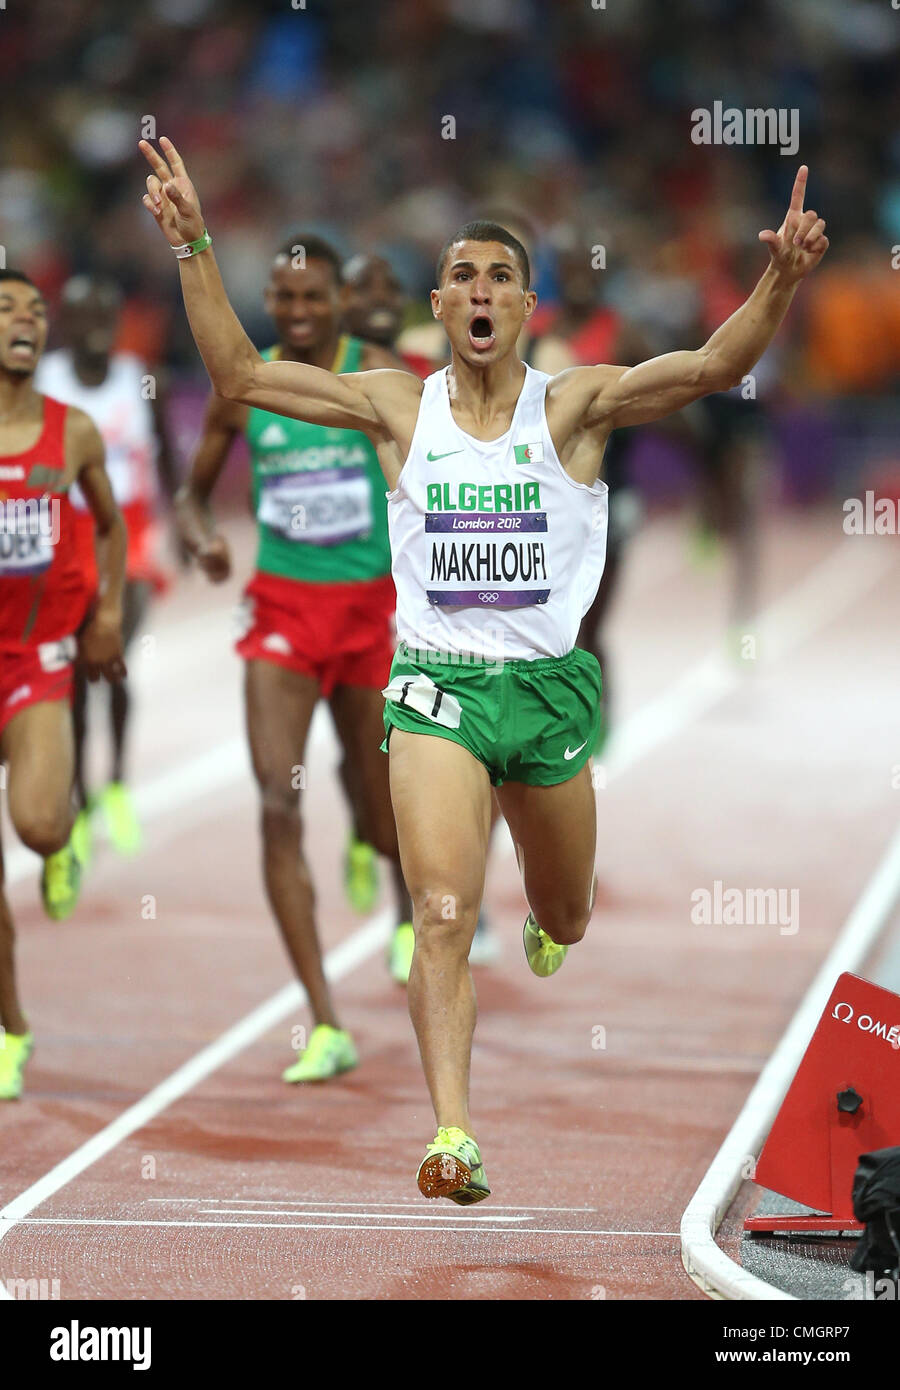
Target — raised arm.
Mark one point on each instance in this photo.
(236, 369)
(619, 396)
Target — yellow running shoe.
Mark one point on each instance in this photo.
(61, 883)
(15, 1049)
(400, 952)
(452, 1167)
(360, 874)
(82, 837)
(542, 953)
(329, 1052)
(117, 805)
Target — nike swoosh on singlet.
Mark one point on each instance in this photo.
(567, 755)
(433, 458)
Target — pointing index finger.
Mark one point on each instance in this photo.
(799, 189)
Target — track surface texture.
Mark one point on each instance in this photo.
(599, 1096)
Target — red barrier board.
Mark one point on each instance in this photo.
(844, 1101)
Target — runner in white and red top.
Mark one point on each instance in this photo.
(124, 400)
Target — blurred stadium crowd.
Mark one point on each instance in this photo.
(332, 116)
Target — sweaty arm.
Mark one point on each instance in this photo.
(236, 369)
(101, 639)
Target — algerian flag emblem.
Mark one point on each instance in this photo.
(529, 453)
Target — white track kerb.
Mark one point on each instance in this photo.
(709, 1267)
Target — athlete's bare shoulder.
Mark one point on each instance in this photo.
(388, 388)
(582, 383)
(581, 398)
(394, 398)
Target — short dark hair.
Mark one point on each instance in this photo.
(487, 231)
(314, 248)
(20, 276)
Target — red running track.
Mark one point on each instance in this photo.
(600, 1096)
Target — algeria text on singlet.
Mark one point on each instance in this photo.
(496, 550)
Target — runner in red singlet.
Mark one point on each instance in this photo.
(49, 618)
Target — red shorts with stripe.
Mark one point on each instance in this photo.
(29, 677)
(339, 634)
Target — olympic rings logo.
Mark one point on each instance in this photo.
(488, 598)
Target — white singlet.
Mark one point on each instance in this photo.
(121, 414)
(497, 552)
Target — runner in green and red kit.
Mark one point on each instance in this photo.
(318, 612)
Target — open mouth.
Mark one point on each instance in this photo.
(22, 346)
(481, 333)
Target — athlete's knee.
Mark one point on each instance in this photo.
(565, 921)
(445, 920)
(44, 829)
(279, 805)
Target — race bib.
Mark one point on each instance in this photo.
(420, 693)
(26, 544)
(56, 656)
(323, 508)
(487, 559)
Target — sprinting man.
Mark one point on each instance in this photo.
(497, 533)
(49, 618)
(318, 611)
(112, 388)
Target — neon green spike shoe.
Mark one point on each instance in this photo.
(452, 1167)
(360, 874)
(82, 837)
(61, 883)
(542, 953)
(15, 1049)
(329, 1052)
(117, 805)
(400, 952)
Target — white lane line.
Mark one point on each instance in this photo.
(464, 1224)
(709, 1267)
(342, 1215)
(831, 586)
(298, 1202)
(341, 961)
